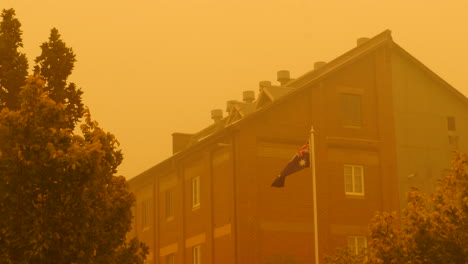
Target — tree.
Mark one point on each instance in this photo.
(59, 199)
(55, 64)
(432, 229)
(13, 64)
(345, 256)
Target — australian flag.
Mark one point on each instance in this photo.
(300, 161)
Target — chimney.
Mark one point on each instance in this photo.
(361, 41)
(180, 141)
(319, 64)
(264, 84)
(248, 96)
(283, 77)
(216, 115)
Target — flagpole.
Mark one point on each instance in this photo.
(314, 189)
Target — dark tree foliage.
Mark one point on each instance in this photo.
(55, 64)
(13, 64)
(60, 201)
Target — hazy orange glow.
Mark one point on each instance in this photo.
(150, 68)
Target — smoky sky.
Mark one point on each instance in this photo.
(151, 68)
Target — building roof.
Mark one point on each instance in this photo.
(239, 111)
(271, 95)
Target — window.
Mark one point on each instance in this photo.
(357, 244)
(354, 179)
(195, 192)
(196, 252)
(145, 213)
(451, 123)
(351, 109)
(170, 259)
(452, 131)
(169, 204)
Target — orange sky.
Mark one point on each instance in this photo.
(151, 68)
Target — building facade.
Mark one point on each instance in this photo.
(383, 123)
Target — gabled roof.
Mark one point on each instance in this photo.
(358, 52)
(352, 55)
(429, 72)
(271, 96)
(233, 116)
(245, 109)
(271, 93)
(239, 111)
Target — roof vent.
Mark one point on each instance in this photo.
(319, 64)
(248, 96)
(283, 77)
(216, 115)
(361, 41)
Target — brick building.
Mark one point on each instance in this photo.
(384, 122)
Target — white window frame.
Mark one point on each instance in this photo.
(196, 254)
(353, 244)
(353, 179)
(196, 192)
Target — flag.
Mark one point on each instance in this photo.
(300, 161)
